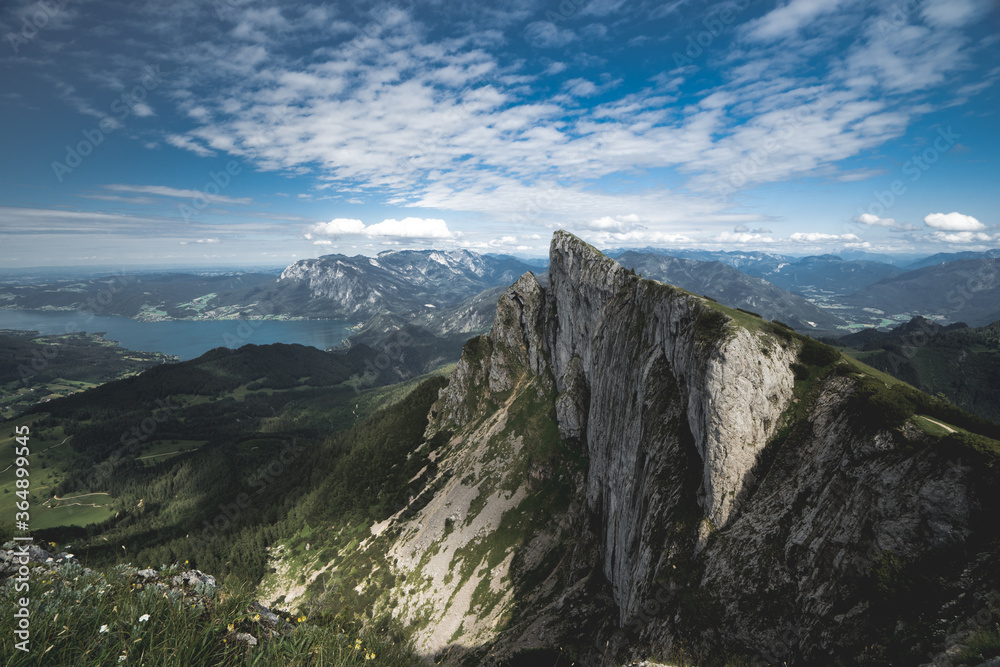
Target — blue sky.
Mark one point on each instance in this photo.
(247, 133)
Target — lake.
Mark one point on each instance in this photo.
(184, 339)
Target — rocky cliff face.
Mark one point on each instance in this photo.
(639, 366)
(629, 470)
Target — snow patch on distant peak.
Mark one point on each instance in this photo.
(440, 259)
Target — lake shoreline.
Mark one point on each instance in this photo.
(182, 338)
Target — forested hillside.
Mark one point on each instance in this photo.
(959, 362)
(210, 461)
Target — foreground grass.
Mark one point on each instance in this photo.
(80, 617)
(982, 645)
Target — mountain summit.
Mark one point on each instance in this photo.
(623, 468)
(397, 281)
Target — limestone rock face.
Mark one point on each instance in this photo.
(845, 500)
(637, 364)
(734, 394)
(642, 370)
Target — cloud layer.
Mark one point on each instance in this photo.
(408, 228)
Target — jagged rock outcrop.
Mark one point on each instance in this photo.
(734, 394)
(639, 365)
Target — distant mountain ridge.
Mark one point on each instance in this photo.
(945, 257)
(961, 291)
(733, 288)
(831, 274)
(362, 286)
(329, 287)
(828, 273)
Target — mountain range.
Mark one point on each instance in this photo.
(330, 287)
(360, 287)
(619, 471)
(733, 288)
(966, 290)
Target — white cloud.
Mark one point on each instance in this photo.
(953, 13)
(817, 237)
(896, 52)
(188, 144)
(618, 223)
(873, 220)
(547, 35)
(337, 227)
(407, 228)
(199, 241)
(743, 237)
(177, 193)
(20, 220)
(953, 222)
(790, 18)
(964, 237)
(635, 236)
(411, 228)
(504, 241)
(143, 110)
(580, 88)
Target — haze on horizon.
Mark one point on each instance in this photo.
(256, 133)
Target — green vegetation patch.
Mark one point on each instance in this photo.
(113, 617)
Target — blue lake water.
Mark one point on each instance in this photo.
(186, 340)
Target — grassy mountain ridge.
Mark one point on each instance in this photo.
(959, 362)
(457, 569)
(225, 423)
